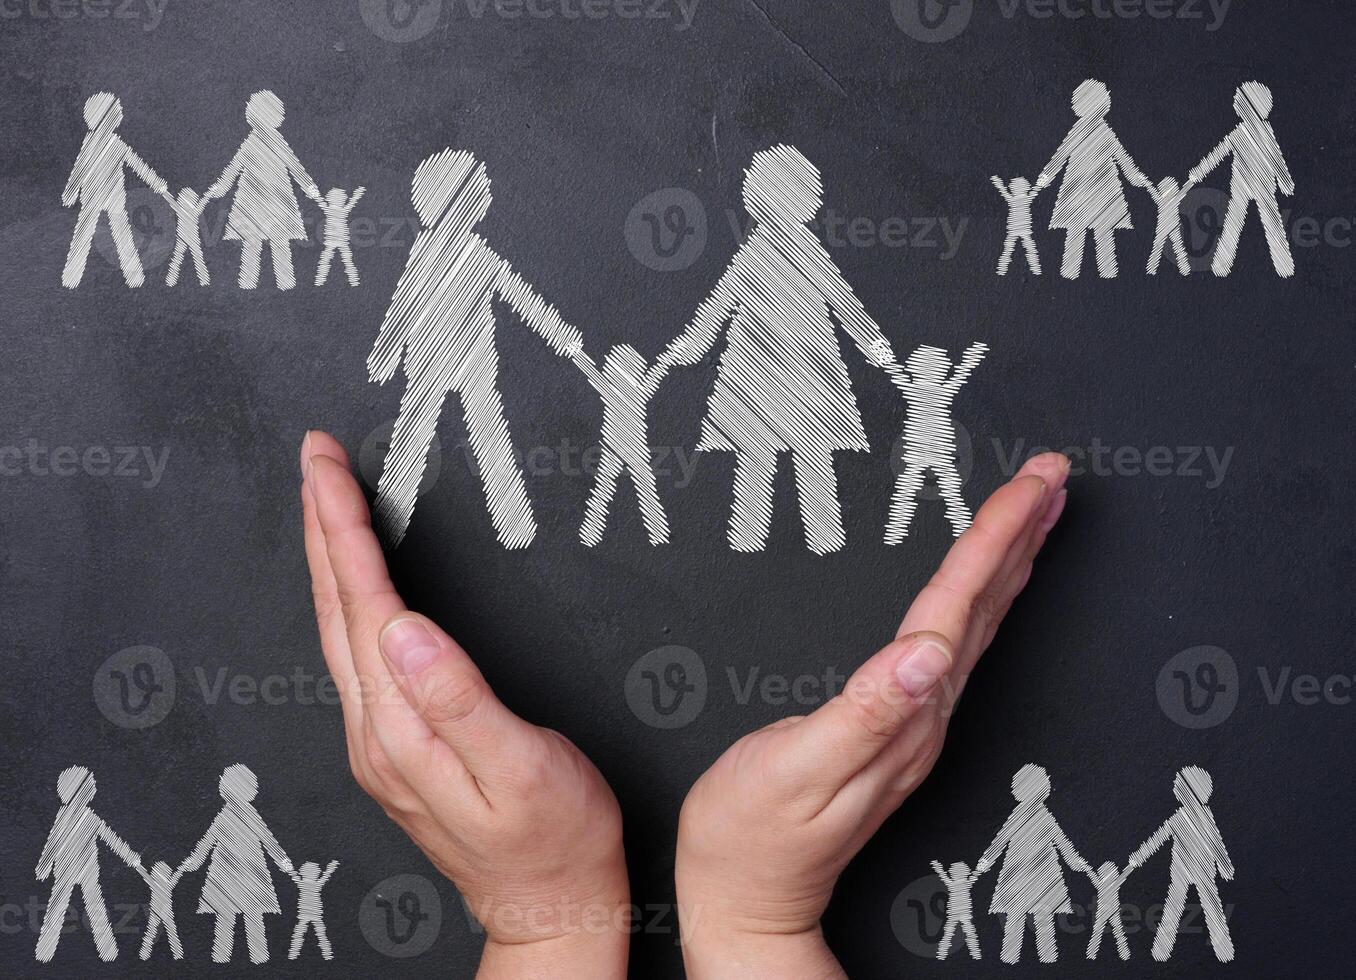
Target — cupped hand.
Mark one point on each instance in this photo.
(766, 831)
(513, 814)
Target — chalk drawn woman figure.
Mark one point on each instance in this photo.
(238, 883)
(781, 384)
(1091, 197)
(1031, 880)
(71, 859)
(440, 325)
(265, 210)
(1198, 857)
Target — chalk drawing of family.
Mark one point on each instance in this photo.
(1092, 200)
(238, 885)
(781, 390)
(1032, 848)
(264, 211)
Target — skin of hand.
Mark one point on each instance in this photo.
(513, 814)
(766, 831)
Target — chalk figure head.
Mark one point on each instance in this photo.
(1031, 784)
(781, 187)
(1193, 784)
(75, 783)
(264, 110)
(103, 108)
(959, 871)
(451, 186)
(1254, 98)
(238, 784)
(929, 364)
(1091, 100)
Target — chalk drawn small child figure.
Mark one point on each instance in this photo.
(1108, 881)
(337, 207)
(959, 908)
(1019, 195)
(929, 436)
(161, 879)
(309, 881)
(1168, 196)
(187, 212)
(626, 384)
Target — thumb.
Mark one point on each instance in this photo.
(445, 687)
(844, 735)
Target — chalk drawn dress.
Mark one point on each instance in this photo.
(1091, 196)
(1031, 881)
(238, 879)
(264, 207)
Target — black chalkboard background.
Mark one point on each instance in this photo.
(579, 120)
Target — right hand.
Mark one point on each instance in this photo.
(513, 814)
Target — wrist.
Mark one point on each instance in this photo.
(730, 954)
(597, 953)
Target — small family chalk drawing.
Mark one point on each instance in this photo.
(1091, 198)
(263, 212)
(781, 386)
(1031, 880)
(238, 883)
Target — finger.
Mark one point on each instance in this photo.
(324, 591)
(445, 687)
(367, 599)
(826, 749)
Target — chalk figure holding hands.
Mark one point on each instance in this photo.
(1108, 880)
(959, 908)
(1019, 195)
(161, 881)
(309, 881)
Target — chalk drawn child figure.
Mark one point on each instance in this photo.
(337, 207)
(626, 384)
(1108, 881)
(1168, 196)
(1019, 195)
(187, 212)
(929, 436)
(309, 881)
(161, 880)
(959, 908)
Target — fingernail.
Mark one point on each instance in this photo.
(1039, 506)
(922, 667)
(306, 456)
(1056, 508)
(409, 645)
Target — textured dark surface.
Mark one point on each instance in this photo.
(578, 120)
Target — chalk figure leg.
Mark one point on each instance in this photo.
(600, 497)
(346, 254)
(200, 264)
(223, 938)
(1216, 923)
(971, 939)
(78, 255)
(505, 488)
(948, 933)
(176, 260)
(1032, 259)
(406, 458)
(1072, 264)
(251, 251)
(152, 930)
(903, 503)
(1166, 937)
(1008, 244)
(1014, 931)
(751, 512)
(323, 939)
(820, 512)
(254, 936)
(283, 276)
(322, 271)
(949, 484)
(1277, 242)
(651, 507)
(1105, 241)
(1046, 950)
(1118, 930)
(53, 920)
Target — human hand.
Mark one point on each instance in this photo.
(513, 814)
(766, 831)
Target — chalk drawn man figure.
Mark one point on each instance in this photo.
(71, 859)
(161, 881)
(930, 436)
(781, 384)
(97, 185)
(1198, 857)
(1168, 196)
(264, 209)
(1108, 880)
(336, 238)
(1091, 198)
(1031, 880)
(441, 322)
(1259, 171)
(1019, 196)
(310, 913)
(238, 884)
(188, 240)
(626, 384)
(959, 908)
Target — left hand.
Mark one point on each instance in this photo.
(765, 833)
